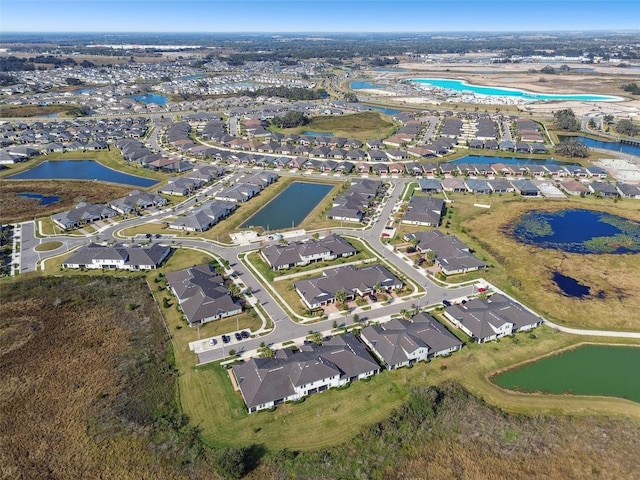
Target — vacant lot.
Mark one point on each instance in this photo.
(362, 126)
(87, 384)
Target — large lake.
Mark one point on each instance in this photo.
(586, 370)
(579, 231)
(462, 86)
(81, 170)
(290, 207)
(617, 146)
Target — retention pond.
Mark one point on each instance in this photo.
(586, 370)
(290, 207)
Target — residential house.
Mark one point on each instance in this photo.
(118, 257)
(493, 318)
(425, 211)
(320, 291)
(304, 253)
(81, 214)
(399, 343)
(451, 255)
(202, 294)
(268, 382)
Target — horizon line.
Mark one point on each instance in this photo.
(317, 32)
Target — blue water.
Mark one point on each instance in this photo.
(579, 231)
(44, 199)
(570, 287)
(193, 77)
(84, 90)
(462, 86)
(151, 98)
(309, 133)
(386, 111)
(361, 85)
(290, 207)
(80, 170)
(488, 160)
(617, 146)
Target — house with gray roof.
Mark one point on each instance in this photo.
(604, 189)
(493, 318)
(83, 213)
(267, 382)
(320, 291)
(202, 294)
(452, 255)
(135, 201)
(118, 257)
(399, 343)
(628, 191)
(203, 218)
(424, 211)
(294, 254)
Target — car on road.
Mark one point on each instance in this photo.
(226, 338)
(238, 336)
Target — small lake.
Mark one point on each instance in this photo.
(462, 86)
(290, 207)
(87, 90)
(586, 370)
(362, 85)
(616, 146)
(151, 98)
(81, 170)
(42, 199)
(569, 286)
(579, 231)
(488, 160)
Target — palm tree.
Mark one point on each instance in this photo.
(340, 296)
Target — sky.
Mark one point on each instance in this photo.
(316, 16)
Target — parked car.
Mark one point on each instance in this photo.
(446, 303)
(226, 338)
(245, 334)
(373, 298)
(238, 336)
(212, 342)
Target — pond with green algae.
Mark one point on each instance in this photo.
(605, 370)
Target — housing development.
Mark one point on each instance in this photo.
(323, 235)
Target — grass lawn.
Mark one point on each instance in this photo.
(48, 246)
(361, 126)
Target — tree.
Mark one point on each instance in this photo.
(548, 69)
(73, 81)
(566, 120)
(405, 314)
(626, 127)
(291, 119)
(572, 148)
(230, 463)
(356, 318)
(341, 296)
(316, 337)
(264, 351)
